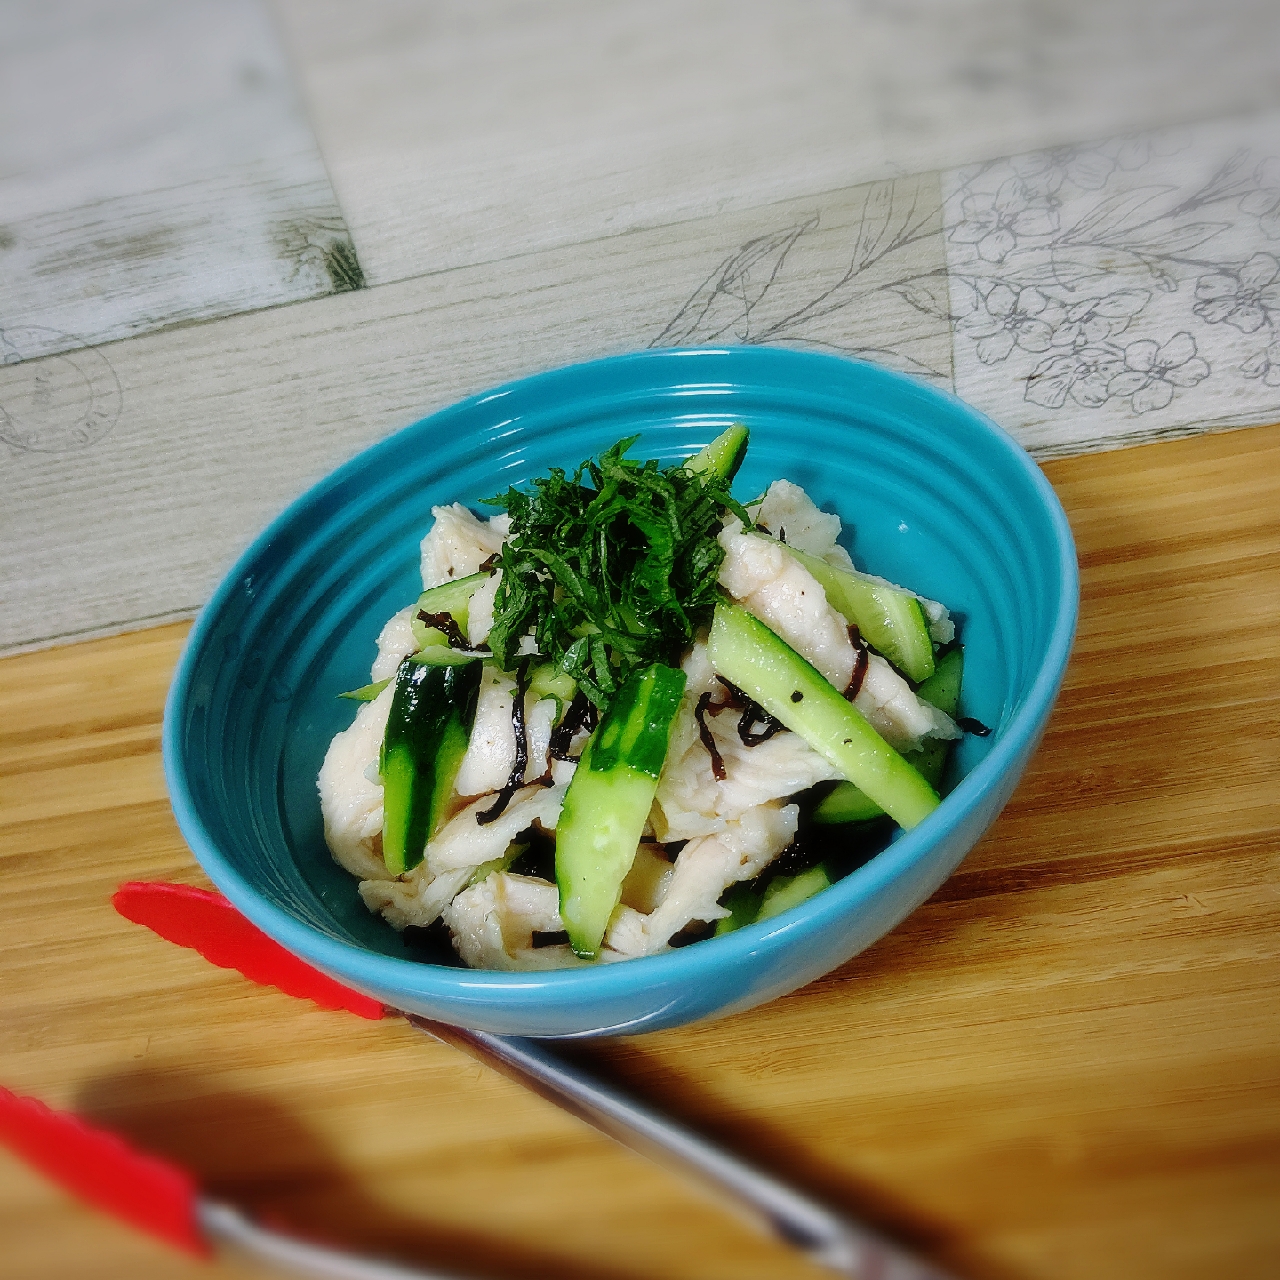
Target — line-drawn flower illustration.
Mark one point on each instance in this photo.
(1097, 319)
(1085, 375)
(1264, 201)
(1086, 167)
(1243, 298)
(1024, 318)
(995, 225)
(1152, 371)
(1264, 365)
(1133, 240)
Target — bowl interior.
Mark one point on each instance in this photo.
(931, 496)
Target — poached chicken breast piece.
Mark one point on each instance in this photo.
(704, 869)
(786, 597)
(459, 543)
(351, 800)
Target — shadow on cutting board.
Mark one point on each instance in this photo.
(250, 1153)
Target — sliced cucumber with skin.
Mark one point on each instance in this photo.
(747, 905)
(785, 892)
(891, 620)
(845, 803)
(486, 869)
(743, 901)
(440, 655)
(426, 637)
(453, 598)
(548, 681)
(768, 670)
(723, 456)
(428, 727)
(608, 803)
(942, 689)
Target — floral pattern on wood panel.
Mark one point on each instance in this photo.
(1110, 293)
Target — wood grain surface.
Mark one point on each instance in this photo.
(1065, 1066)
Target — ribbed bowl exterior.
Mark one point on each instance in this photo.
(932, 494)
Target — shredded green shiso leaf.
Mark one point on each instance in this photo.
(613, 568)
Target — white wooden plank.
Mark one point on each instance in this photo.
(155, 168)
(221, 424)
(464, 131)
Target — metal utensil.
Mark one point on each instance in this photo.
(162, 1198)
(209, 924)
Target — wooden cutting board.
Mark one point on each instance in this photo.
(1065, 1066)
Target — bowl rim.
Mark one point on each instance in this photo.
(528, 989)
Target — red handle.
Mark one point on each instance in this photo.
(102, 1169)
(206, 922)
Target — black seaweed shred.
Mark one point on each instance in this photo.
(695, 931)
(708, 738)
(861, 661)
(539, 857)
(582, 713)
(448, 624)
(975, 727)
(551, 938)
(752, 714)
(431, 944)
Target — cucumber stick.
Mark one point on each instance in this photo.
(453, 598)
(891, 620)
(767, 669)
(785, 892)
(724, 455)
(608, 802)
(748, 905)
(428, 727)
(942, 689)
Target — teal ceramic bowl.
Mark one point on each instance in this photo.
(932, 494)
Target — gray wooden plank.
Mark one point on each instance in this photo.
(156, 168)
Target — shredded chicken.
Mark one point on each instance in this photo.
(493, 923)
(733, 826)
(350, 800)
(465, 842)
(692, 802)
(788, 513)
(704, 869)
(417, 898)
(786, 597)
(395, 643)
(894, 711)
(480, 610)
(491, 752)
(459, 543)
